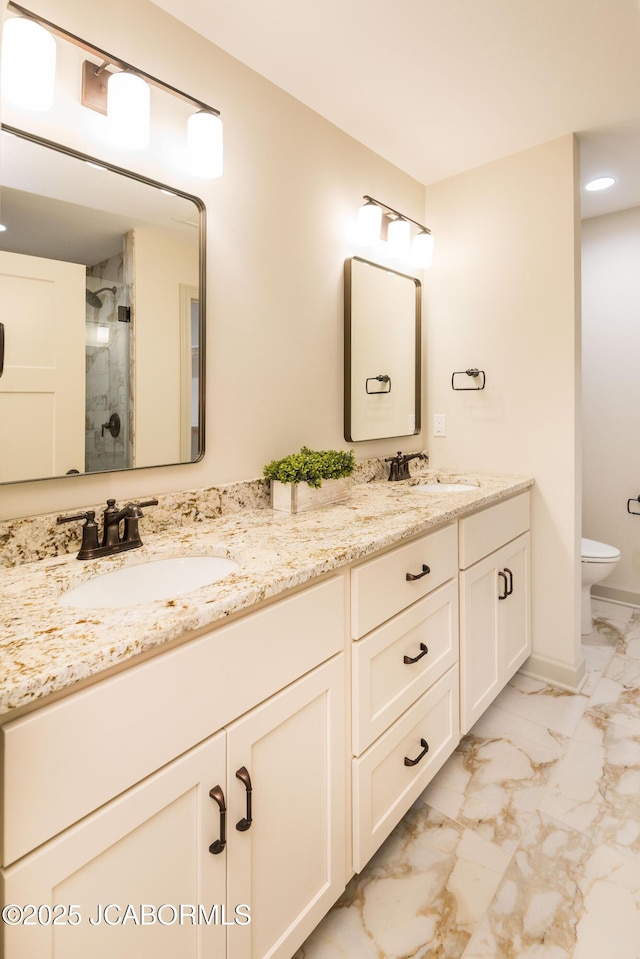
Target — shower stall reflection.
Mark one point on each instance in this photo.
(108, 362)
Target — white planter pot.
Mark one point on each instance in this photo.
(299, 497)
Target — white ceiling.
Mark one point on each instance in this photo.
(441, 86)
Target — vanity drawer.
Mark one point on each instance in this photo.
(384, 685)
(66, 759)
(384, 787)
(380, 589)
(484, 532)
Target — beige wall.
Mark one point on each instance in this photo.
(611, 347)
(277, 240)
(503, 296)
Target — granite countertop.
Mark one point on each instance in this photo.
(46, 648)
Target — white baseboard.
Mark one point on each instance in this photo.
(624, 597)
(555, 673)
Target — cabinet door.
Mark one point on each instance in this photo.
(289, 865)
(515, 610)
(145, 850)
(495, 626)
(480, 655)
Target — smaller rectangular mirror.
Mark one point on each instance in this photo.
(382, 368)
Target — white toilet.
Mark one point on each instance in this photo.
(598, 561)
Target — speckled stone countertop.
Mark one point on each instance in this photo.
(46, 648)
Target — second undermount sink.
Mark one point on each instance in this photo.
(146, 582)
(443, 487)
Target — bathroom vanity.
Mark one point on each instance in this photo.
(202, 776)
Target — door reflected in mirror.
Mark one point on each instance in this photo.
(102, 305)
(382, 368)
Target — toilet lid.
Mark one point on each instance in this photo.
(593, 550)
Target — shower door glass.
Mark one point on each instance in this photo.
(109, 401)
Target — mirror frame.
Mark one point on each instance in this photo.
(202, 251)
(348, 344)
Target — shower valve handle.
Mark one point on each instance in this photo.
(113, 425)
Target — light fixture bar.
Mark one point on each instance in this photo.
(109, 59)
(402, 216)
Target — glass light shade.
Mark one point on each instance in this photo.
(369, 223)
(128, 113)
(399, 239)
(28, 64)
(422, 250)
(204, 144)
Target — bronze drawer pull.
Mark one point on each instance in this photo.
(243, 775)
(219, 844)
(414, 659)
(412, 576)
(510, 586)
(506, 590)
(508, 583)
(425, 750)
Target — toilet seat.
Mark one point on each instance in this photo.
(595, 552)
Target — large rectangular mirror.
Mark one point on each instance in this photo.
(382, 367)
(102, 316)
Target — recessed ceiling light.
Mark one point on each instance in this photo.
(600, 183)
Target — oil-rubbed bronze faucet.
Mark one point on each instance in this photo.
(112, 540)
(399, 469)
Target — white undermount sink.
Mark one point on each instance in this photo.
(443, 487)
(145, 582)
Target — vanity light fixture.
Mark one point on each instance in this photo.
(399, 238)
(204, 144)
(128, 102)
(369, 223)
(103, 90)
(422, 250)
(371, 226)
(28, 64)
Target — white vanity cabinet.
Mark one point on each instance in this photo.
(157, 847)
(495, 602)
(405, 724)
(125, 803)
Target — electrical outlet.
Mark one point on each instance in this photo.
(439, 424)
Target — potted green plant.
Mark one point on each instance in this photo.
(310, 478)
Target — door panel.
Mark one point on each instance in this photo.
(515, 612)
(289, 866)
(149, 848)
(43, 382)
(479, 641)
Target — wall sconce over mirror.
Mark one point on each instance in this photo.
(379, 223)
(28, 64)
(110, 86)
(382, 367)
(102, 300)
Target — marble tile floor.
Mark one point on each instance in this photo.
(526, 845)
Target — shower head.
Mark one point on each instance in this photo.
(94, 300)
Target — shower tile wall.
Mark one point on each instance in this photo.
(107, 368)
